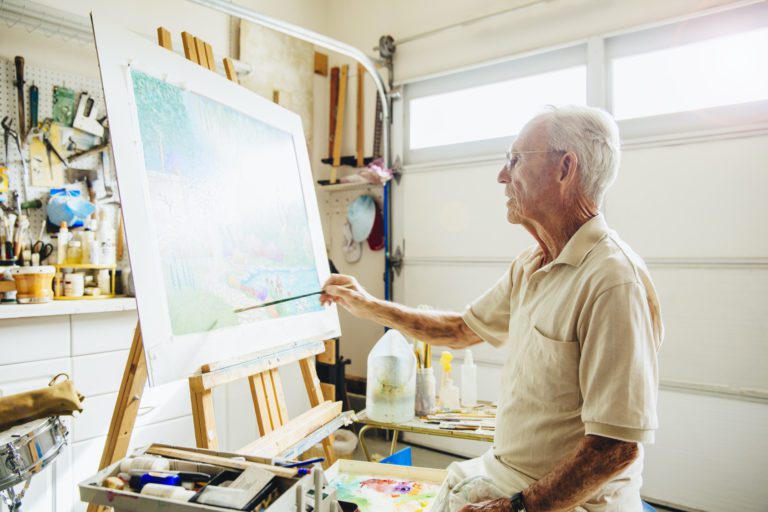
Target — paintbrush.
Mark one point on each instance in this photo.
(274, 302)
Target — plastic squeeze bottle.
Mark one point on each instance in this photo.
(61, 246)
(449, 392)
(468, 381)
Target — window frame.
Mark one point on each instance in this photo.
(545, 61)
(597, 53)
(710, 25)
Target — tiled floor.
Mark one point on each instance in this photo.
(425, 457)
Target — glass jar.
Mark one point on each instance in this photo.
(74, 253)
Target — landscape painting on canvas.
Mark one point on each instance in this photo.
(236, 259)
(219, 207)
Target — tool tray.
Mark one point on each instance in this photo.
(128, 500)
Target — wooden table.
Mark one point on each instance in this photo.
(416, 427)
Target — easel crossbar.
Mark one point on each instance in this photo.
(258, 362)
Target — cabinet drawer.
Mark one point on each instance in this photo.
(15, 378)
(178, 432)
(33, 339)
(102, 332)
(157, 405)
(99, 374)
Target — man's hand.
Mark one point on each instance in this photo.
(347, 292)
(434, 327)
(497, 505)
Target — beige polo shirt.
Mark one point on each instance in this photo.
(583, 333)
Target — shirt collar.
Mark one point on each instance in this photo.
(585, 238)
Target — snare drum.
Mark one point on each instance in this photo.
(26, 449)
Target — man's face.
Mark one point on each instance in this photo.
(530, 176)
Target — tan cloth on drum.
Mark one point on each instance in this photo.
(57, 399)
(583, 334)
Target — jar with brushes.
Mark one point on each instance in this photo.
(425, 391)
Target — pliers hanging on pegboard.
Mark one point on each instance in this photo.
(7, 122)
(49, 148)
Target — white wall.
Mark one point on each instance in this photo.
(544, 24)
(143, 17)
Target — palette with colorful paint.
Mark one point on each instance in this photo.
(384, 487)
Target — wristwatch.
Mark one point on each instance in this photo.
(517, 503)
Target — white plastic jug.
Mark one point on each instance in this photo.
(391, 389)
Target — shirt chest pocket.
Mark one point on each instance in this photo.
(549, 373)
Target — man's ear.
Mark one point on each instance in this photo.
(569, 164)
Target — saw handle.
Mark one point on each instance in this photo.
(19, 60)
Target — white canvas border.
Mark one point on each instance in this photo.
(172, 357)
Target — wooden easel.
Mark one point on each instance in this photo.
(261, 372)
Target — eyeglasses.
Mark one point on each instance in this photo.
(513, 157)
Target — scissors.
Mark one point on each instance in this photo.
(43, 249)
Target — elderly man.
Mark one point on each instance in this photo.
(581, 321)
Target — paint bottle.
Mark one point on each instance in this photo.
(107, 240)
(104, 281)
(86, 242)
(61, 246)
(147, 462)
(170, 492)
(449, 392)
(468, 381)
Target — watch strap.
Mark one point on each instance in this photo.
(517, 503)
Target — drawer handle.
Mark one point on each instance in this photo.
(145, 410)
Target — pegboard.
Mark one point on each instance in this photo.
(335, 203)
(45, 80)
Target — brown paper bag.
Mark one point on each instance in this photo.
(57, 399)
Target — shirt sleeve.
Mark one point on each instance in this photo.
(488, 316)
(618, 368)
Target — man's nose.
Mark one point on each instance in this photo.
(503, 176)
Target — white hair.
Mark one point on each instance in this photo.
(592, 134)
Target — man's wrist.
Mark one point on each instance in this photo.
(517, 503)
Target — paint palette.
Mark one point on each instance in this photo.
(384, 487)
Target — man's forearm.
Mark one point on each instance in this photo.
(585, 471)
(433, 327)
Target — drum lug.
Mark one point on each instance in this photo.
(14, 462)
(62, 429)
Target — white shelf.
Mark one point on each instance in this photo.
(339, 187)
(67, 307)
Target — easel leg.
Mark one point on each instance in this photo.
(126, 407)
(203, 417)
(315, 392)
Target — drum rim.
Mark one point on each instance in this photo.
(49, 423)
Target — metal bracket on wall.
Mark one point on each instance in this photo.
(397, 169)
(396, 260)
(386, 49)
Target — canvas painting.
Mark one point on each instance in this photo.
(235, 260)
(219, 208)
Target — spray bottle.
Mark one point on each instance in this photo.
(468, 381)
(449, 392)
